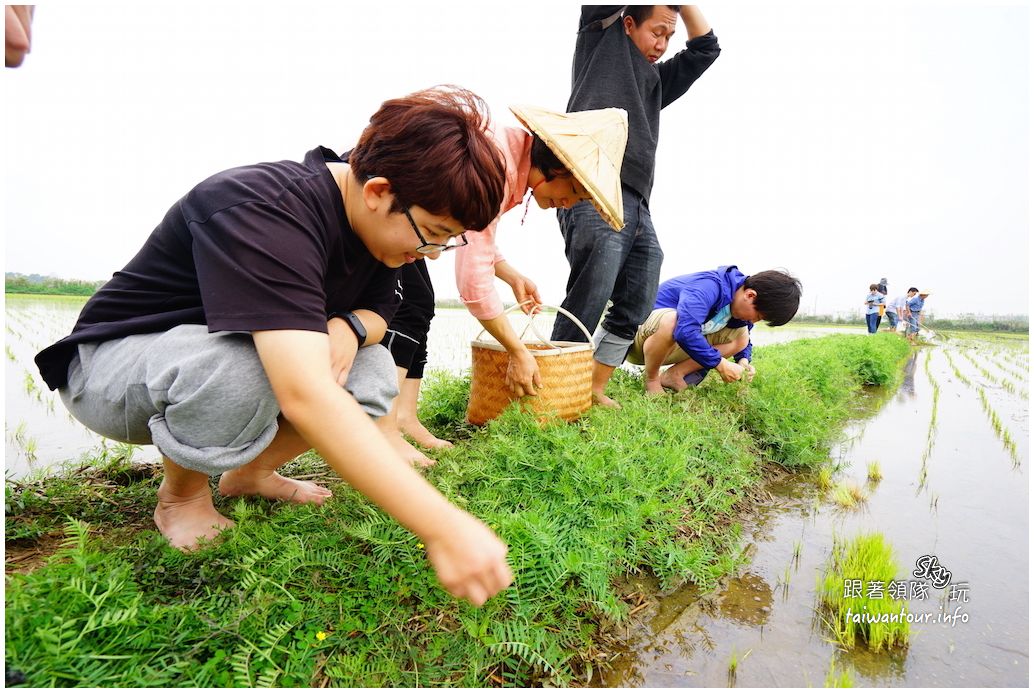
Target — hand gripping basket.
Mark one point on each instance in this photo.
(564, 367)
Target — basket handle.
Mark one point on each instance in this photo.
(534, 329)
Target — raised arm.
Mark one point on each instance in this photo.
(694, 21)
(680, 72)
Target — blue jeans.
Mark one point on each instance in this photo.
(892, 316)
(622, 267)
(872, 321)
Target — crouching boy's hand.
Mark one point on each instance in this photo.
(748, 370)
(469, 558)
(729, 371)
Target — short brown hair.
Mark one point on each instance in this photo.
(434, 148)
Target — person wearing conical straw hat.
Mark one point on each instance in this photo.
(559, 159)
(617, 63)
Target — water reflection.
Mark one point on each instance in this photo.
(908, 385)
(747, 600)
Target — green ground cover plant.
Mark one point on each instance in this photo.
(341, 595)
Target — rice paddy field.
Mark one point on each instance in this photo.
(733, 535)
(949, 448)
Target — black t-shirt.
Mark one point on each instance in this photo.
(262, 247)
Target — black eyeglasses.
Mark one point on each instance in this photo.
(428, 248)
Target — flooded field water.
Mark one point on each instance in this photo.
(953, 488)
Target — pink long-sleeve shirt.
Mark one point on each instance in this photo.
(475, 262)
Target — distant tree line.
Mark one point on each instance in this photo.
(15, 283)
(966, 321)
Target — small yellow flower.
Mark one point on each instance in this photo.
(321, 636)
(420, 546)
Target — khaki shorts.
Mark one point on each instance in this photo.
(722, 336)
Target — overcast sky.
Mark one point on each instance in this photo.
(844, 143)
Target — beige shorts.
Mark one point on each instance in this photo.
(722, 336)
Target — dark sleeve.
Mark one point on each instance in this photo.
(694, 304)
(596, 13)
(259, 268)
(679, 73)
(746, 353)
(383, 294)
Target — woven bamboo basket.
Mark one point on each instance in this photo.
(564, 367)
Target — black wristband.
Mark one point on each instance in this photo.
(354, 322)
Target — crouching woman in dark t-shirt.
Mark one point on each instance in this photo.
(246, 329)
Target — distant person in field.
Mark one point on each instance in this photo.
(896, 309)
(882, 288)
(17, 33)
(873, 300)
(617, 62)
(892, 312)
(914, 313)
(246, 330)
(559, 159)
(700, 320)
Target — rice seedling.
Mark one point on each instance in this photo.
(10, 353)
(825, 477)
(30, 384)
(934, 499)
(875, 474)
(783, 580)
(29, 447)
(958, 374)
(734, 664)
(848, 494)
(931, 431)
(798, 546)
(852, 594)
(999, 429)
(19, 433)
(922, 478)
(843, 678)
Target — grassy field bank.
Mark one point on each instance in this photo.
(341, 595)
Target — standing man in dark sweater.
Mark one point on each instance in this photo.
(616, 64)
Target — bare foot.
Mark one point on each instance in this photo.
(601, 400)
(653, 387)
(672, 382)
(186, 521)
(424, 438)
(244, 482)
(409, 453)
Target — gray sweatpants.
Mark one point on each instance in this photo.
(202, 398)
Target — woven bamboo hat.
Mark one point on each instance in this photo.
(591, 144)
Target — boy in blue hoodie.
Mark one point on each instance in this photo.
(701, 319)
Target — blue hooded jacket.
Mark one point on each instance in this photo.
(697, 298)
